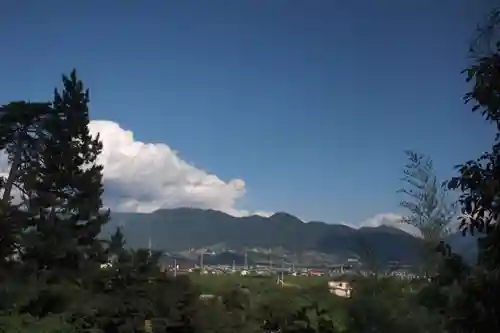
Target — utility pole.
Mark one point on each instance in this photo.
(201, 261)
(175, 267)
(282, 272)
(246, 260)
(150, 255)
(150, 242)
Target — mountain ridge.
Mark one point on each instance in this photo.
(186, 228)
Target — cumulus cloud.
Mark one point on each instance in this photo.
(143, 177)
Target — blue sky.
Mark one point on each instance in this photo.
(311, 103)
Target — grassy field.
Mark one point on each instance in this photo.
(213, 284)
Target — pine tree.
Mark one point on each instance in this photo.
(65, 186)
(116, 243)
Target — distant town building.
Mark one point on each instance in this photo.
(315, 272)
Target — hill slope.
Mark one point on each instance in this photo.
(184, 228)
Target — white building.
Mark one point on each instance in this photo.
(340, 288)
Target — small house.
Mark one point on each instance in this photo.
(340, 288)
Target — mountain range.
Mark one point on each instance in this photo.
(188, 228)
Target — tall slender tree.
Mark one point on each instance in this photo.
(430, 209)
(65, 185)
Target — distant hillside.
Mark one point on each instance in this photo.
(185, 228)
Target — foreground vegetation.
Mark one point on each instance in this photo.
(51, 258)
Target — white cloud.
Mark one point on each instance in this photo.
(143, 177)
